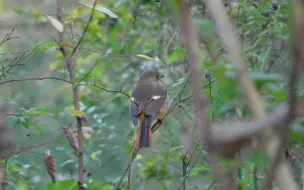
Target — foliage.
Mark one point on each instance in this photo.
(110, 58)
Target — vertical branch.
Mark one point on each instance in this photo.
(7, 143)
(270, 139)
(184, 165)
(1, 177)
(71, 69)
(297, 52)
(191, 43)
(128, 169)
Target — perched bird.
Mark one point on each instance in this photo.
(147, 99)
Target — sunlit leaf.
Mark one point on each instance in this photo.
(65, 184)
(107, 187)
(46, 46)
(94, 155)
(36, 13)
(53, 65)
(175, 56)
(18, 11)
(63, 87)
(78, 113)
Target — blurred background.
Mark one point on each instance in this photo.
(112, 55)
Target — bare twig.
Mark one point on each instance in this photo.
(23, 149)
(83, 33)
(227, 35)
(114, 91)
(128, 168)
(87, 74)
(7, 37)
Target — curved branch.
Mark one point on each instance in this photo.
(38, 78)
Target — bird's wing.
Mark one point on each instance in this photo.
(148, 101)
(135, 110)
(155, 102)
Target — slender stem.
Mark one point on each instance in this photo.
(70, 66)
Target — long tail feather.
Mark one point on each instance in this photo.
(143, 138)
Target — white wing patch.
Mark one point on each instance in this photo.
(132, 99)
(156, 97)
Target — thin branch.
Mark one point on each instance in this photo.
(114, 91)
(156, 125)
(173, 36)
(128, 168)
(8, 37)
(71, 69)
(38, 78)
(66, 81)
(87, 74)
(83, 33)
(23, 149)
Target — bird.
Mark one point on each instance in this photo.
(147, 98)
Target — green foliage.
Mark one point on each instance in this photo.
(113, 53)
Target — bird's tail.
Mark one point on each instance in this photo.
(143, 138)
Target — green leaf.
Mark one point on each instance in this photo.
(46, 46)
(107, 187)
(38, 128)
(176, 55)
(259, 77)
(296, 136)
(18, 11)
(36, 13)
(66, 184)
(205, 27)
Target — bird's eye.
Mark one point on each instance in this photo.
(160, 76)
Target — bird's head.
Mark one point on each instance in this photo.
(151, 75)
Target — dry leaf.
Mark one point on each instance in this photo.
(102, 9)
(71, 134)
(50, 164)
(57, 25)
(87, 132)
(72, 138)
(67, 45)
(147, 57)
